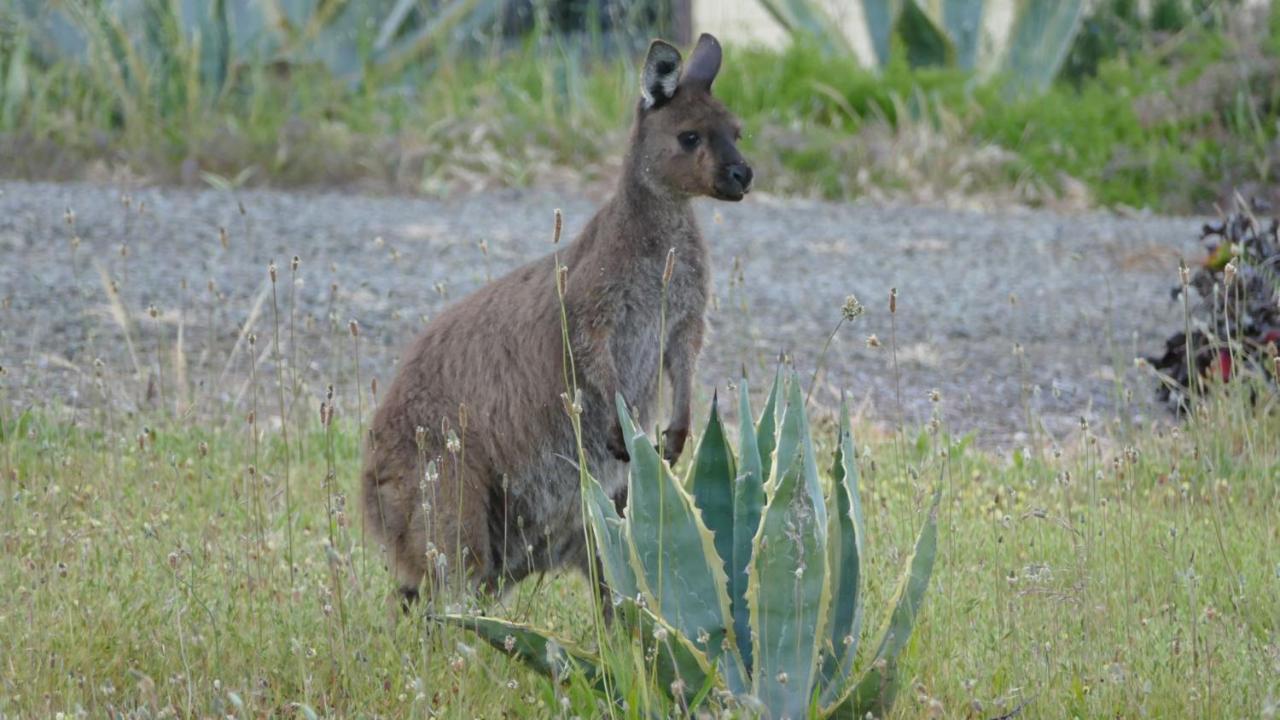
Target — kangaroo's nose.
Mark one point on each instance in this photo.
(741, 174)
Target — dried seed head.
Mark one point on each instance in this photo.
(294, 263)
(1229, 273)
(1184, 273)
(224, 238)
(484, 247)
(559, 225)
(153, 312)
(252, 417)
(253, 339)
(509, 643)
(873, 341)
(420, 436)
(241, 206)
(373, 388)
(75, 242)
(562, 279)
(69, 217)
(852, 309)
(893, 300)
(462, 416)
(782, 678)
(453, 444)
(124, 250)
(203, 449)
(271, 271)
(935, 396)
(324, 412)
(670, 268)
(354, 327)
(572, 406)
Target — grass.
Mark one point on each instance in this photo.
(1165, 125)
(148, 573)
(147, 569)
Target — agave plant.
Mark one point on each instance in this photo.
(746, 577)
(348, 37)
(971, 34)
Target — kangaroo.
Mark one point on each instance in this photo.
(478, 399)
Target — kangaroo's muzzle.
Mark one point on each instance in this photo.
(734, 181)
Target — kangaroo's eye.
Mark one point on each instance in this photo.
(689, 140)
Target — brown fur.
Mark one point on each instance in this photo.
(506, 494)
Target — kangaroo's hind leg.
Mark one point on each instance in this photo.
(433, 530)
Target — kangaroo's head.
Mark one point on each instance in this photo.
(685, 141)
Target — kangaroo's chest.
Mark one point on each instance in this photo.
(651, 319)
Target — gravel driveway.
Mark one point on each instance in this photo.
(1082, 295)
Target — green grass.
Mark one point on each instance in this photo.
(1170, 125)
(145, 569)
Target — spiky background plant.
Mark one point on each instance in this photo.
(745, 578)
(970, 34)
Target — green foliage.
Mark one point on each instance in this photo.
(949, 33)
(761, 581)
(1139, 123)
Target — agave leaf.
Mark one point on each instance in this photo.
(553, 658)
(673, 553)
(1041, 36)
(793, 433)
(790, 424)
(748, 503)
(844, 548)
(788, 593)
(879, 16)
(873, 696)
(961, 21)
(808, 17)
(880, 681)
(434, 34)
(678, 667)
(926, 42)
(610, 531)
(711, 481)
(767, 427)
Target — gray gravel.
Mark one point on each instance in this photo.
(1089, 293)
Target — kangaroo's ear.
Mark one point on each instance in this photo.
(661, 74)
(704, 64)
